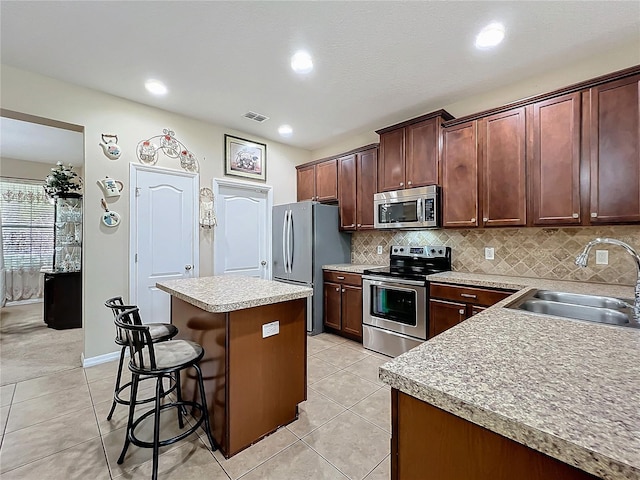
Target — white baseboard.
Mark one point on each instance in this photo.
(107, 357)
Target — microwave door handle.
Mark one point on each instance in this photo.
(420, 210)
(291, 239)
(285, 241)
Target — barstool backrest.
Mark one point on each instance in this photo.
(137, 336)
(117, 306)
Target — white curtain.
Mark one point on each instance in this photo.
(23, 284)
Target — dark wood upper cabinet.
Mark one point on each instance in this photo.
(422, 153)
(615, 152)
(391, 161)
(410, 152)
(503, 168)
(460, 176)
(554, 160)
(366, 186)
(318, 181)
(327, 181)
(306, 183)
(347, 192)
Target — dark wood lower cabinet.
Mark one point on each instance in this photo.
(63, 300)
(444, 315)
(428, 443)
(343, 304)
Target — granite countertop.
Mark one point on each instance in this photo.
(567, 388)
(350, 267)
(226, 293)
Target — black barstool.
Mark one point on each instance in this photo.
(160, 332)
(158, 360)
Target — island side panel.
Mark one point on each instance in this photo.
(429, 443)
(267, 376)
(208, 330)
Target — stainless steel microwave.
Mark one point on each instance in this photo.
(410, 208)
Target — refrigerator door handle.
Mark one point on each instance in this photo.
(291, 241)
(285, 256)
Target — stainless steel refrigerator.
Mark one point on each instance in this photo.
(306, 236)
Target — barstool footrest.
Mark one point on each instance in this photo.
(121, 401)
(163, 443)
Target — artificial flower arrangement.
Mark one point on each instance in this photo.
(62, 179)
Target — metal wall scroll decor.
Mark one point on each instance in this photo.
(207, 215)
(167, 143)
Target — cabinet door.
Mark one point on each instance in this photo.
(352, 310)
(332, 308)
(503, 165)
(554, 161)
(367, 186)
(347, 193)
(306, 177)
(460, 176)
(327, 181)
(421, 156)
(444, 315)
(615, 152)
(391, 161)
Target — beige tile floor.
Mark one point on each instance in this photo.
(54, 427)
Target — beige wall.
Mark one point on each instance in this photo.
(618, 59)
(10, 167)
(106, 250)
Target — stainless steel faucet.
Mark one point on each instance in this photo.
(581, 261)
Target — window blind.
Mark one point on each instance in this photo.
(27, 224)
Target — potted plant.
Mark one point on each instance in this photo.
(61, 180)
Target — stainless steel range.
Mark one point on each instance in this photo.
(395, 312)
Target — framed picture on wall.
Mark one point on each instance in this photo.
(245, 158)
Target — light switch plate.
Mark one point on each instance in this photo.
(489, 253)
(379, 249)
(602, 257)
(270, 329)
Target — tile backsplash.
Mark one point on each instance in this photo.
(524, 252)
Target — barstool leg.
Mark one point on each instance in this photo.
(181, 410)
(115, 391)
(132, 407)
(156, 428)
(205, 409)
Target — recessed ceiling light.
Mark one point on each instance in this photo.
(490, 36)
(156, 87)
(301, 62)
(285, 130)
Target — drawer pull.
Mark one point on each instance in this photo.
(338, 289)
(468, 295)
(340, 278)
(461, 311)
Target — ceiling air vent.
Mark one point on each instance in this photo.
(256, 117)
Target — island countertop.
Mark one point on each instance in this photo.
(226, 293)
(567, 388)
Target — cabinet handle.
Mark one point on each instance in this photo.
(409, 182)
(338, 289)
(575, 215)
(359, 225)
(343, 290)
(461, 311)
(468, 295)
(340, 278)
(594, 215)
(473, 219)
(485, 219)
(402, 184)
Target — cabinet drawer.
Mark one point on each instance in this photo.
(477, 296)
(343, 277)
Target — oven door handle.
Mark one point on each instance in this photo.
(395, 281)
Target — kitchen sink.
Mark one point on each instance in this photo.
(591, 308)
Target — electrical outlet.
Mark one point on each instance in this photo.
(602, 257)
(379, 249)
(489, 253)
(270, 329)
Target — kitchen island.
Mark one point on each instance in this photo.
(254, 335)
(508, 394)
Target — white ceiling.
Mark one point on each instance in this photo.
(40, 143)
(377, 62)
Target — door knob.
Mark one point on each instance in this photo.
(187, 267)
(263, 263)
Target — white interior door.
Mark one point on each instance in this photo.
(242, 238)
(164, 235)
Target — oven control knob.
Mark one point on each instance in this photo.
(402, 249)
(440, 252)
(433, 250)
